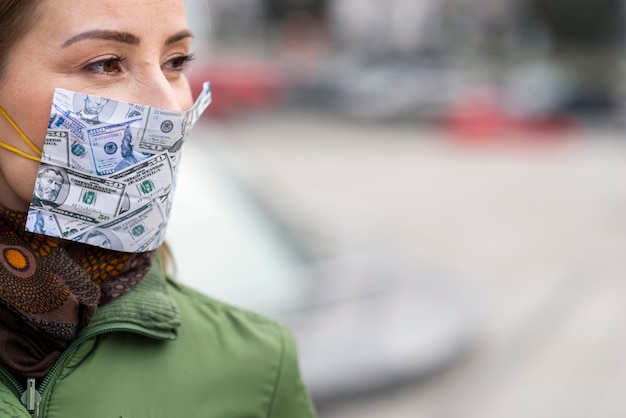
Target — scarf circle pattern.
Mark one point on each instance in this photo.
(50, 291)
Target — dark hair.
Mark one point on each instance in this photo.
(17, 17)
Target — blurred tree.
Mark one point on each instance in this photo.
(583, 22)
(279, 10)
(586, 36)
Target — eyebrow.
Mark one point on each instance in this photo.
(105, 35)
(179, 36)
(122, 37)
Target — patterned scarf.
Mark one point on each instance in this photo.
(50, 291)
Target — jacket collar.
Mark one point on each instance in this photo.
(148, 308)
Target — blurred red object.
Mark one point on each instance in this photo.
(239, 85)
(476, 116)
(479, 119)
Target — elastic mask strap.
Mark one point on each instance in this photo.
(24, 138)
(19, 152)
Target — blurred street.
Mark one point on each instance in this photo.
(480, 140)
(532, 231)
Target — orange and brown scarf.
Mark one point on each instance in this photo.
(50, 291)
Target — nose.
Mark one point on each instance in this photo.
(156, 90)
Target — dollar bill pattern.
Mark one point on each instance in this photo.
(146, 180)
(130, 205)
(164, 130)
(108, 143)
(137, 231)
(56, 149)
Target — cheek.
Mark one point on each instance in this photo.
(35, 115)
(28, 178)
(30, 110)
(17, 181)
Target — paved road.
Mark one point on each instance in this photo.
(536, 234)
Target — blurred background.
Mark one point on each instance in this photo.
(428, 193)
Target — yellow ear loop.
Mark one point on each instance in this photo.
(24, 138)
(19, 152)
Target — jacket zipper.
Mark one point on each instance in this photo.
(33, 398)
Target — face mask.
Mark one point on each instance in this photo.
(108, 170)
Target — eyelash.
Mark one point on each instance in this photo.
(98, 66)
(176, 64)
(181, 61)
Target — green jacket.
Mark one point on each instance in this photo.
(163, 350)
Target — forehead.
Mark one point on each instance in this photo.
(147, 17)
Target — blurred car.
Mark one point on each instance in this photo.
(240, 84)
(364, 319)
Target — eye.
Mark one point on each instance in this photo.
(178, 63)
(108, 66)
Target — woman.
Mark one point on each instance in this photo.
(86, 331)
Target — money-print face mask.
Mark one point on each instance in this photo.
(108, 170)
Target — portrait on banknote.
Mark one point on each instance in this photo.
(51, 186)
(112, 146)
(93, 109)
(101, 238)
(41, 221)
(129, 156)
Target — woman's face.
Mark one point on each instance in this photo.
(126, 50)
